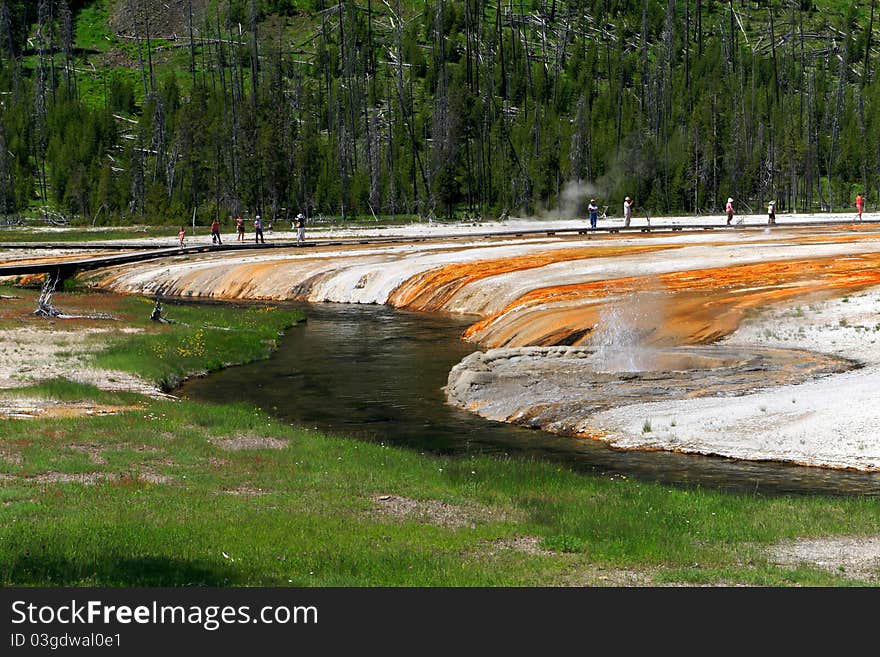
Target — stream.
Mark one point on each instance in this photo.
(376, 374)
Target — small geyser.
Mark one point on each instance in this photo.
(621, 341)
(559, 388)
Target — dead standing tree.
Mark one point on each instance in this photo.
(40, 106)
(835, 121)
(44, 303)
(137, 37)
(405, 101)
(7, 189)
(67, 40)
(6, 45)
(45, 307)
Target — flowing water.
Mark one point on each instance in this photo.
(376, 374)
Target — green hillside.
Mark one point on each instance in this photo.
(125, 111)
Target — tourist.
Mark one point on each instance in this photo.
(771, 213)
(215, 232)
(593, 209)
(300, 228)
(627, 211)
(860, 202)
(729, 210)
(258, 230)
(239, 226)
(181, 236)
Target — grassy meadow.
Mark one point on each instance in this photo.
(168, 492)
(33, 233)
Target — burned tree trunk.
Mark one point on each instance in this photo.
(44, 303)
(137, 39)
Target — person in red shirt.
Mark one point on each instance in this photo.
(860, 202)
(215, 232)
(729, 210)
(181, 236)
(239, 225)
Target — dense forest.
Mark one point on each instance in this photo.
(132, 111)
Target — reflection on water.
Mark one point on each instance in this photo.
(376, 374)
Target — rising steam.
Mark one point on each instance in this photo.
(572, 203)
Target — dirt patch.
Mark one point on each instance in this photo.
(527, 544)
(855, 557)
(92, 450)
(31, 409)
(630, 577)
(618, 577)
(95, 451)
(581, 575)
(244, 491)
(435, 512)
(140, 449)
(27, 500)
(152, 477)
(167, 18)
(29, 355)
(239, 443)
(9, 456)
(114, 58)
(87, 478)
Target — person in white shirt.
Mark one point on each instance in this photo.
(593, 210)
(300, 228)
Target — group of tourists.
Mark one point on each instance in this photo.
(771, 210)
(593, 211)
(299, 223)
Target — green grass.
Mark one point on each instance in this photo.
(93, 88)
(314, 522)
(65, 390)
(83, 234)
(92, 27)
(192, 345)
(167, 505)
